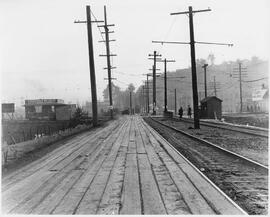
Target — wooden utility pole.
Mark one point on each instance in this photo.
(205, 81)
(148, 98)
(193, 69)
(130, 102)
(91, 64)
(190, 12)
(165, 85)
(154, 90)
(147, 94)
(143, 102)
(193, 64)
(240, 75)
(240, 86)
(165, 81)
(175, 103)
(108, 55)
(155, 55)
(215, 88)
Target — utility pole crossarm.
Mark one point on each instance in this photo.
(152, 55)
(152, 69)
(201, 42)
(112, 67)
(168, 61)
(154, 59)
(108, 32)
(174, 77)
(105, 55)
(108, 40)
(95, 21)
(187, 12)
(170, 42)
(106, 25)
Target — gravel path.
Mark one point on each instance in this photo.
(244, 183)
(253, 147)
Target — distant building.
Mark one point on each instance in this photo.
(8, 110)
(65, 112)
(260, 100)
(211, 108)
(102, 107)
(48, 109)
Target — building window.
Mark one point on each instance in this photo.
(38, 109)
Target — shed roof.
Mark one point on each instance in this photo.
(210, 98)
(45, 104)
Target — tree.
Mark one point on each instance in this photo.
(131, 87)
(115, 91)
(79, 117)
(255, 60)
(200, 62)
(211, 58)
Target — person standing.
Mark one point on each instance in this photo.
(189, 112)
(180, 112)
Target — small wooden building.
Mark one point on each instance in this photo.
(48, 109)
(211, 108)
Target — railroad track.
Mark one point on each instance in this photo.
(243, 180)
(240, 129)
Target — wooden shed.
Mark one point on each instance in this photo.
(211, 108)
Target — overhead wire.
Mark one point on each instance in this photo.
(122, 82)
(99, 28)
(256, 80)
(168, 32)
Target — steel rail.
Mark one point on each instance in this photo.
(242, 129)
(197, 170)
(213, 145)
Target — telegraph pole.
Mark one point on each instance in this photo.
(215, 88)
(155, 55)
(91, 64)
(165, 81)
(175, 103)
(130, 101)
(108, 55)
(240, 86)
(205, 81)
(165, 85)
(193, 64)
(148, 98)
(154, 90)
(143, 102)
(240, 71)
(193, 69)
(190, 12)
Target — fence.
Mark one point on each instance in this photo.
(19, 131)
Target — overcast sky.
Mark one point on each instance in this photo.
(45, 55)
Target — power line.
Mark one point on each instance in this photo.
(91, 64)
(97, 25)
(256, 80)
(128, 74)
(108, 56)
(122, 82)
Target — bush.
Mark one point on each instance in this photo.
(79, 117)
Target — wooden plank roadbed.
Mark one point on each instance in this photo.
(123, 168)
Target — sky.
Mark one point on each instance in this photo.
(43, 54)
